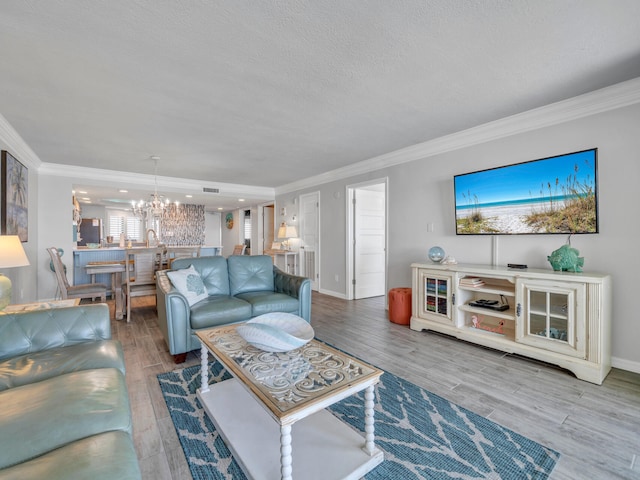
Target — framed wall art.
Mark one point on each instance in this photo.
(14, 197)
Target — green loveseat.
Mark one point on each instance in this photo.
(65, 408)
(239, 288)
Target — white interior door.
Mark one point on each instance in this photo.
(310, 236)
(369, 227)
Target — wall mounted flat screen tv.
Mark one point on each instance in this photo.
(555, 195)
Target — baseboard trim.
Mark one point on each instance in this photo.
(332, 293)
(627, 365)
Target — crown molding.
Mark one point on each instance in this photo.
(17, 146)
(599, 101)
(170, 184)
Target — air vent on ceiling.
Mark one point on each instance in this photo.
(210, 190)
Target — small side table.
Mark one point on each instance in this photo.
(400, 306)
(285, 254)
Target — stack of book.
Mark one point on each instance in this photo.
(471, 282)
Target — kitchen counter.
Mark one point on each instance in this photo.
(137, 245)
(84, 255)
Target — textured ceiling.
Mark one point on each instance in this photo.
(269, 93)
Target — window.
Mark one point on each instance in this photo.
(247, 228)
(125, 222)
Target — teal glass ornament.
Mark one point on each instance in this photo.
(436, 254)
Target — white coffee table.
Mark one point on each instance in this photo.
(272, 413)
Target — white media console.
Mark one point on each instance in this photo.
(562, 318)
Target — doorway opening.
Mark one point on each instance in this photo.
(264, 235)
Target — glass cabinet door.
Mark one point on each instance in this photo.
(435, 297)
(551, 317)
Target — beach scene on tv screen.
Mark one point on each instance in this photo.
(552, 195)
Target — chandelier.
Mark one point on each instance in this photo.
(154, 207)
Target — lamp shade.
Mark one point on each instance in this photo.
(287, 231)
(282, 230)
(291, 232)
(11, 252)
(11, 255)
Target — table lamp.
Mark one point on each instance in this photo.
(11, 255)
(287, 232)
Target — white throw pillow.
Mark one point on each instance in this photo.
(189, 283)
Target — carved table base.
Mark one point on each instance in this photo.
(320, 446)
(275, 424)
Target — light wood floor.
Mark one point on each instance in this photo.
(595, 428)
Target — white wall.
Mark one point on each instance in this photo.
(55, 229)
(95, 211)
(212, 229)
(231, 237)
(421, 192)
(23, 278)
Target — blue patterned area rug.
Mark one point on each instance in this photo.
(423, 436)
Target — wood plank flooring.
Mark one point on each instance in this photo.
(595, 428)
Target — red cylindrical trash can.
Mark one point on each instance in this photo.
(400, 305)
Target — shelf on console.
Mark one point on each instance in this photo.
(490, 289)
(556, 311)
(496, 286)
(507, 332)
(506, 315)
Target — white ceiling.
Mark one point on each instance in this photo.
(263, 94)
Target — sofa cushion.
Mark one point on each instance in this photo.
(29, 332)
(219, 310)
(250, 273)
(104, 456)
(213, 271)
(38, 366)
(267, 302)
(189, 283)
(40, 417)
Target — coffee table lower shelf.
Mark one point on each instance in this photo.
(323, 447)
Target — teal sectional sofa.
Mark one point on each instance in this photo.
(238, 288)
(65, 408)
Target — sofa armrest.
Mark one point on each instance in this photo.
(294, 286)
(173, 314)
(29, 332)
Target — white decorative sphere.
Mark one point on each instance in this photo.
(436, 254)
